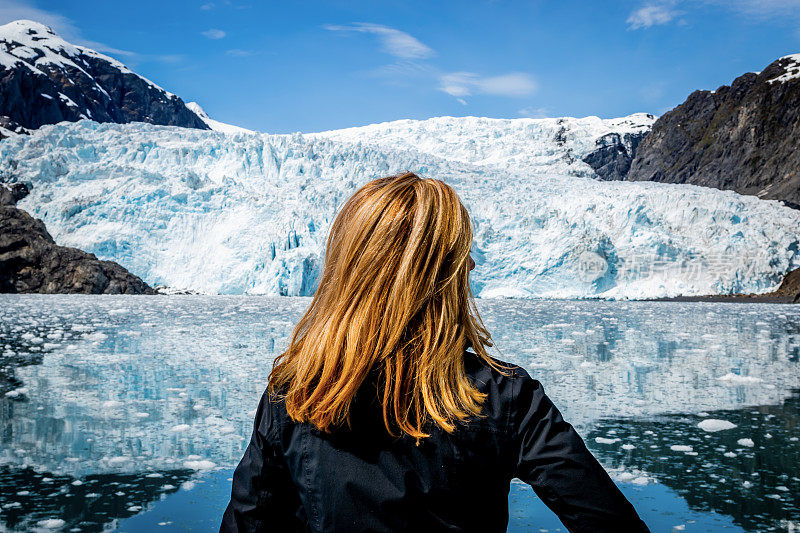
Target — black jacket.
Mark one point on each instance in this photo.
(295, 478)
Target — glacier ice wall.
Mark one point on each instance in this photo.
(533, 146)
(249, 213)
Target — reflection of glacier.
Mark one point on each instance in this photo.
(249, 213)
(162, 383)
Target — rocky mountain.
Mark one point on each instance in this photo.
(46, 80)
(31, 261)
(743, 137)
(614, 153)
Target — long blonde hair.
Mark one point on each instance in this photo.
(394, 296)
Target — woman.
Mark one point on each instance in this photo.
(387, 414)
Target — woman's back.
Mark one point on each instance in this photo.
(378, 417)
(294, 477)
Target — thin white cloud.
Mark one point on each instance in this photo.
(238, 52)
(207, 6)
(660, 12)
(534, 112)
(394, 42)
(512, 84)
(651, 15)
(461, 84)
(214, 33)
(412, 61)
(761, 8)
(169, 58)
(457, 84)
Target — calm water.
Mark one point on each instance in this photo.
(130, 412)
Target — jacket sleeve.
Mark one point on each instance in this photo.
(263, 495)
(554, 460)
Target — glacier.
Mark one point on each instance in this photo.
(248, 213)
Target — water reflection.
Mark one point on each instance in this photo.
(750, 471)
(29, 499)
(126, 386)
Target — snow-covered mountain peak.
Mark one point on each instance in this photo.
(791, 68)
(35, 45)
(45, 79)
(215, 125)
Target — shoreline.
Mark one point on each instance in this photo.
(787, 293)
(769, 298)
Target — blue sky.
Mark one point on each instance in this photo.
(309, 66)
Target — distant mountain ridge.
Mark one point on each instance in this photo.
(743, 137)
(46, 80)
(215, 125)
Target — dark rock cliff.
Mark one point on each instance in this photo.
(745, 137)
(31, 261)
(614, 154)
(45, 80)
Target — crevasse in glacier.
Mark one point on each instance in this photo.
(249, 213)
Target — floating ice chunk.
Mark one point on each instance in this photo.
(77, 483)
(736, 379)
(747, 484)
(635, 477)
(628, 447)
(604, 440)
(187, 485)
(204, 464)
(681, 448)
(729, 454)
(712, 425)
(167, 486)
(745, 442)
(180, 428)
(97, 336)
(112, 404)
(17, 393)
(51, 523)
